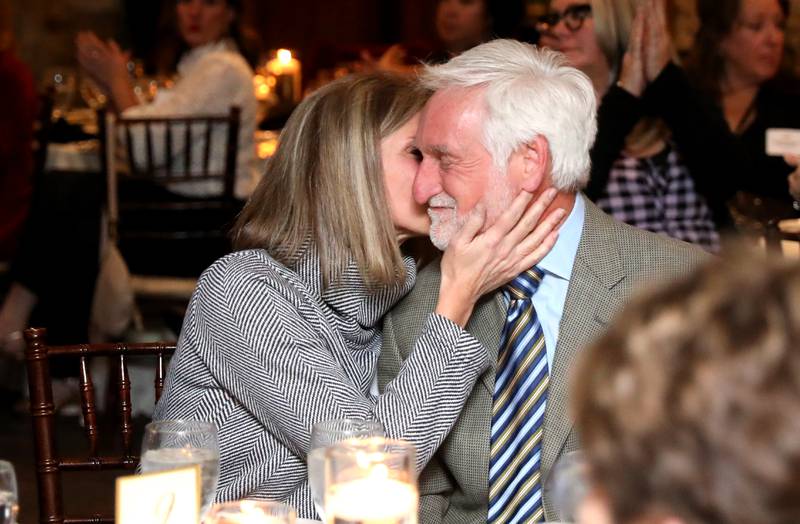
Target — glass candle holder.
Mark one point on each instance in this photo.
(371, 481)
(251, 512)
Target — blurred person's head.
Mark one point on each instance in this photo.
(569, 27)
(202, 22)
(689, 406)
(739, 43)
(341, 178)
(505, 116)
(189, 24)
(463, 24)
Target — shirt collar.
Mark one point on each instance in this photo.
(560, 259)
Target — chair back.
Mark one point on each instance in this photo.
(165, 151)
(49, 463)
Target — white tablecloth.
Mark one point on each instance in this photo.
(84, 156)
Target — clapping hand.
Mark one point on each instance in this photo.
(649, 47)
(105, 62)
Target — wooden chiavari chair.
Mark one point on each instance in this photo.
(49, 463)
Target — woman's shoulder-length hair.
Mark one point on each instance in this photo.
(324, 184)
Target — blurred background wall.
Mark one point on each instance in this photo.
(45, 29)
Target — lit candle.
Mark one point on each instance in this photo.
(250, 512)
(371, 482)
(286, 70)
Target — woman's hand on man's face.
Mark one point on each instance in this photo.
(476, 262)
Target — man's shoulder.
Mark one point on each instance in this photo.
(637, 248)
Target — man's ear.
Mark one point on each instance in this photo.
(536, 162)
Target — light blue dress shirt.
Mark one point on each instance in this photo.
(557, 267)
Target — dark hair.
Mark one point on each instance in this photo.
(171, 46)
(506, 17)
(705, 62)
(689, 405)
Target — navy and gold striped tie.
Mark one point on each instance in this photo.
(520, 394)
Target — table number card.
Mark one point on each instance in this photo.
(164, 497)
(782, 142)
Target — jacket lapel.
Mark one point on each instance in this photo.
(486, 325)
(589, 306)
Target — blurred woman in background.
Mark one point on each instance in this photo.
(206, 39)
(638, 173)
(736, 63)
(213, 76)
(460, 25)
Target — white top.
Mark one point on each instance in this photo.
(211, 79)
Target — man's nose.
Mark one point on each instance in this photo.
(427, 183)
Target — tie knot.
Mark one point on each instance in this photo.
(525, 284)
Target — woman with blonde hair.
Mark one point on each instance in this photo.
(286, 331)
(639, 174)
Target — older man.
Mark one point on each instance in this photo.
(507, 116)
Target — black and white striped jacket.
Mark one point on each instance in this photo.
(264, 353)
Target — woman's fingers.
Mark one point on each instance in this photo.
(473, 225)
(539, 252)
(535, 245)
(631, 77)
(659, 43)
(509, 218)
(530, 218)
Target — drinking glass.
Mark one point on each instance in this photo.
(8, 494)
(326, 433)
(171, 444)
(251, 512)
(63, 82)
(371, 481)
(568, 484)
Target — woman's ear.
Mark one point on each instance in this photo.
(536, 162)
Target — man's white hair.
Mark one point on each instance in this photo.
(529, 92)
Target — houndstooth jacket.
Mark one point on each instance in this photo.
(265, 352)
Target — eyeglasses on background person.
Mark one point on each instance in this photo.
(573, 17)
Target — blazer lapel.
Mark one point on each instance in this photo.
(589, 306)
(486, 325)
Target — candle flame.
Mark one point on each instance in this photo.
(379, 471)
(284, 56)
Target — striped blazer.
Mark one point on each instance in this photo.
(265, 353)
